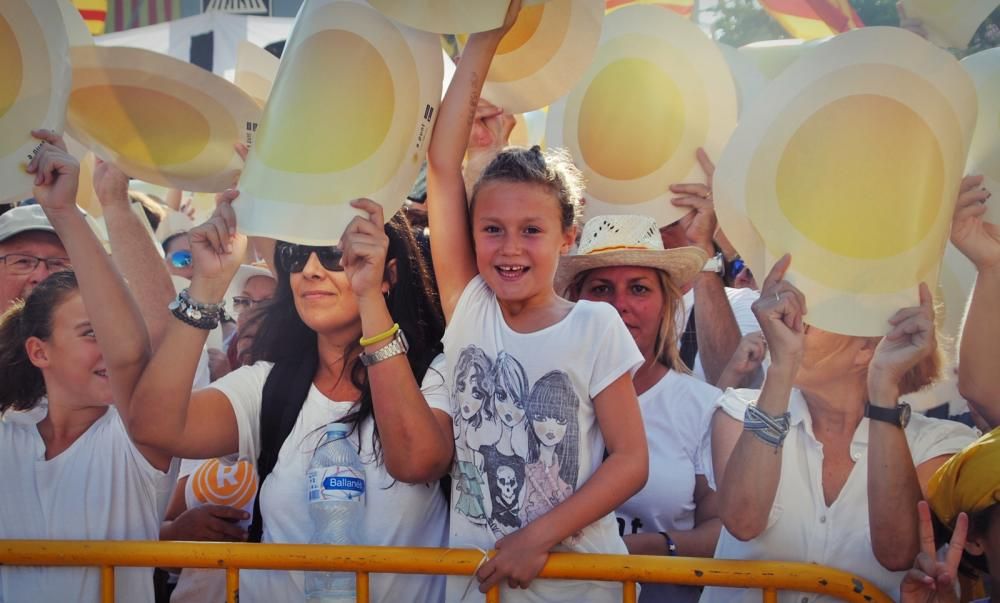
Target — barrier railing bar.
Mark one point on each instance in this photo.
(361, 587)
(493, 594)
(232, 584)
(107, 584)
(770, 595)
(628, 591)
(398, 560)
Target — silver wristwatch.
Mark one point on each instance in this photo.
(397, 346)
(714, 264)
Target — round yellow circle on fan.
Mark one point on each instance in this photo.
(852, 191)
(357, 94)
(163, 119)
(627, 101)
(526, 25)
(10, 66)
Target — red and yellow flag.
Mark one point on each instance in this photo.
(683, 7)
(811, 19)
(93, 12)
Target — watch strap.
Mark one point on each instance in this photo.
(892, 415)
(397, 346)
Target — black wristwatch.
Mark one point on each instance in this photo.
(899, 416)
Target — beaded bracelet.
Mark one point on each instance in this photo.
(198, 315)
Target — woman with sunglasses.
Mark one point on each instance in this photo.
(328, 349)
(177, 255)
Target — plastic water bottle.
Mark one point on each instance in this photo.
(337, 507)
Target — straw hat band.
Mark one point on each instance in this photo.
(620, 248)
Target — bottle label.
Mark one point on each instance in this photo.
(335, 483)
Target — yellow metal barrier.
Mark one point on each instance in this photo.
(769, 576)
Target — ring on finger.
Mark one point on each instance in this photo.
(777, 297)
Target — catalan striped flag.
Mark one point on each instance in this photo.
(811, 19)
(126, 14)
(94, 13)
(683, 7)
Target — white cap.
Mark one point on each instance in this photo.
(24, 219)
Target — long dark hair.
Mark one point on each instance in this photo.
(23, 384)
(282, 336)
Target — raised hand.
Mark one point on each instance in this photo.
(57, 173)
(749, 354)
(780, 310)
(977, 239)
(217, 249)
(911, 339)
(930, 580)
(110, 184)
(700, 224)
(365, 245)
(512, 12)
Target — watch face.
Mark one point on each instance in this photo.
(904, 414)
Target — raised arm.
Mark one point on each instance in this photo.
(164, 411)
(114, 315)
(447, 210)
(717, 330)
(750, 483)
(134, 251)
(417, 442)
(978, 240)
(893, 486)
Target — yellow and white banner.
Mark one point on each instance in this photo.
(159, 119)
(350, 115)
(34, 86)
(657, 89)
(851, 161)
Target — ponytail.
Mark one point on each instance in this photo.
(22, 382)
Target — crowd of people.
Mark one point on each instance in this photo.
(522, 385)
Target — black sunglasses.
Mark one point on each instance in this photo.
(293, 258)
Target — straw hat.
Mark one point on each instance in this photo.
(626, 240)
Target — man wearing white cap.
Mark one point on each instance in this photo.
(29, 252)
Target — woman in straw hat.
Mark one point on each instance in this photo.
(621, 260)
(964, 495)
(829, 466)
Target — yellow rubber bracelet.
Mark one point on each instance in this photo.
(367, 341)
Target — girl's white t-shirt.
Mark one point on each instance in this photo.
(526, 434)
(100, 488)
(396, 513)
(677, 414)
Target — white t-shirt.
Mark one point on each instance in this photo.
(396, 513)
(526, 435)
(677, 414)
(800, 526)
(740, 300)
(100, 488)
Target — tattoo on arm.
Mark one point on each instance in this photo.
(477, 87)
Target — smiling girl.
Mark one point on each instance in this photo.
(495, 261)
(70, 356)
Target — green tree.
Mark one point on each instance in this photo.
(740, 22)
